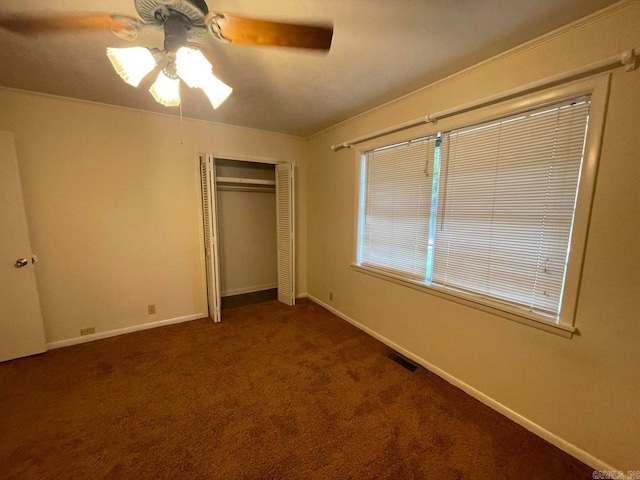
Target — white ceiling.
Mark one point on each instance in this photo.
(381, 49)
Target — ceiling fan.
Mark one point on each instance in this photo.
(181, 21)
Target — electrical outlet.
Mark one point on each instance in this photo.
(151, 309)
(87, 331)
(331, 296)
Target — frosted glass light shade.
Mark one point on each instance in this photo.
(216, 91)
(192, 66)
(166, 90)
(132, 64)
(195, 70)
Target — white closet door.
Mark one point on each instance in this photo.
(285, 233)
(210, 224)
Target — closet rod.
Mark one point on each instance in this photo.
(625, 59)
(249, 181)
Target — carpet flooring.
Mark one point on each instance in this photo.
(273, 392)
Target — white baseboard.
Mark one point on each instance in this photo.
(240, 291)
(533, 427)
(122, 331)
(302, 295)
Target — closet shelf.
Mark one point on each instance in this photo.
(246, 181)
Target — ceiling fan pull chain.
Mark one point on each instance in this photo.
(181, 126)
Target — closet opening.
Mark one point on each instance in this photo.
(248, 232)
(246, 193)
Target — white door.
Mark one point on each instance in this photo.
(21, 326)
(285, 233)
(210, 225)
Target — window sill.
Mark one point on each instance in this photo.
(510, 313)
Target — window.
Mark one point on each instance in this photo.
(484, 212)
(397, 205)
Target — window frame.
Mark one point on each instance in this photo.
(598, 88)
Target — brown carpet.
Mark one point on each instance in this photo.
(273, 392)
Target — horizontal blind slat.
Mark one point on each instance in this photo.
(397, 207)
(506, 202)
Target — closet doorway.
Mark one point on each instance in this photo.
(247, 210)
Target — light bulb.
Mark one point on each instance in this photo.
(166, 90)
(132, 64)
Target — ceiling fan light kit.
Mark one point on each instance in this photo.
(190, 65)
(181, 21)
(195, 70)
(166, 90)
(132, 64)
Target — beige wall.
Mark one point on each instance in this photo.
(247, 230)
(112, 205)
(585, 390)
(248, 247)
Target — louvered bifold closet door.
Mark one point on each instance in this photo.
(506, 203)
(285, 232)
(397, 208)
(210, 226)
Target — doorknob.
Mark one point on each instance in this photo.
(22, 262)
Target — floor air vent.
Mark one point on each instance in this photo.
(402, 361)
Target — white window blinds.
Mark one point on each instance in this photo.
(506, 201)
(397, 206)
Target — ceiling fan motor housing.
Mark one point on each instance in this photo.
(178, 17)
(175, 33)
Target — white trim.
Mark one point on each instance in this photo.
(486, 305)
(247, 158)
(250, 181)
(533, 427)
(255, 288)
(302, 295)
(122, 331)
(598, 87)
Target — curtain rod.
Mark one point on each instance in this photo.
(628, 59)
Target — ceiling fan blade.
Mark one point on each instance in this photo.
(252, 31)
(31, 25)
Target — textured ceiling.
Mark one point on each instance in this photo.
(381, 49)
